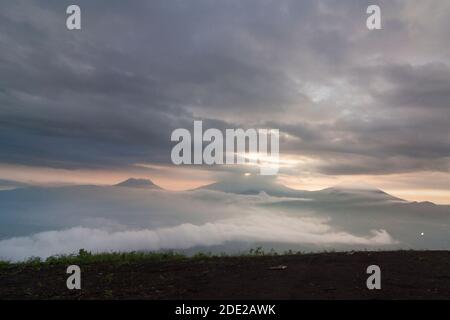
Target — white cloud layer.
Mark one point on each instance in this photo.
(254, 228)
(48, 221)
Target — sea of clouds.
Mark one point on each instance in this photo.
(156, 220)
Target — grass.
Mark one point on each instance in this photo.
(86, 257)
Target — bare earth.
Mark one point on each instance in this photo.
(405, 275)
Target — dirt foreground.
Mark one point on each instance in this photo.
(404, 275)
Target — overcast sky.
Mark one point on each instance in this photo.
(352, 104)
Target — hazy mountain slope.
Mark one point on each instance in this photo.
(228, 216)
(414, 224)
(254, 184)
(34, 209)
(342, 193)
(10, 184)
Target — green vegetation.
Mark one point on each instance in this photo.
(86, 257)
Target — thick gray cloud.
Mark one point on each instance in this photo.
(110, 95)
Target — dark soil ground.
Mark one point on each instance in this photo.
(404, 275)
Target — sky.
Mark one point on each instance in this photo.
(352, 105)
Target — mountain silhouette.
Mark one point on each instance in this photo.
(132, 204)
(346, 192)
(138, 183)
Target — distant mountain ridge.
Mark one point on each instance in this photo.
(252, 185)
(255, 184)
(11, 184)
(138, 183)
(139, 203)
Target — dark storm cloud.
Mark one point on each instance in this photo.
(425, 86)
(111, 94)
